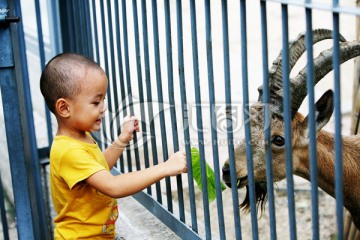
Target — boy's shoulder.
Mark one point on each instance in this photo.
(63, 144)
(66, 151)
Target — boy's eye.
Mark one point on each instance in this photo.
(96, 103)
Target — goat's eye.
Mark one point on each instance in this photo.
(278, 141)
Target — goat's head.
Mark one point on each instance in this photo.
(324, 108)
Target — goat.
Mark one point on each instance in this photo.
(299, 125)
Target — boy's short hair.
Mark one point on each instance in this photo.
(60, 78)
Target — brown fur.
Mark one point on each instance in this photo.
(301, 161)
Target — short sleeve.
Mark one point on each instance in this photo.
(77, 165)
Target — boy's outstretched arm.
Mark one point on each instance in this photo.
(130, 183)
(113, 152)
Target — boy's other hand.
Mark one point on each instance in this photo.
(129, 126)
(176, 164)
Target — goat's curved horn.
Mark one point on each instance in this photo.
(296, 49)
(322, 65)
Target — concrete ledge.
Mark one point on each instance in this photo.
(136, 222)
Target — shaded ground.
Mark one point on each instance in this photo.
(135, 222)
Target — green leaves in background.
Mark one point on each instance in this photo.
(209, 173)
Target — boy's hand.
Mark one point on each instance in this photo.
(176, 164)
(129, 125)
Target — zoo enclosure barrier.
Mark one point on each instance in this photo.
(140, 44)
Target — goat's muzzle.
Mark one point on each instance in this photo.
(240, 182)
(260, 189)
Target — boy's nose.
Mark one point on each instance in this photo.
(104, 108)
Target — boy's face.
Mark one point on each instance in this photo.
(88, 107)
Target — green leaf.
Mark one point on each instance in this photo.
(210, 176)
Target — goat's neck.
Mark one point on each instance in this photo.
(326, 167)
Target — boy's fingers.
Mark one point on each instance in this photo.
(182, 153)
(134, 118)
(136, 123)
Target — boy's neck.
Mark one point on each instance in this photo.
(78, 135)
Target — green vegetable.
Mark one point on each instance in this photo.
(195, 157)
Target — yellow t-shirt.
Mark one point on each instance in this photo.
(83, 212)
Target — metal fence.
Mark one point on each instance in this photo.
(188, 70)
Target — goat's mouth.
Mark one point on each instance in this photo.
(260, 197)
(240, 182)
(260, 192)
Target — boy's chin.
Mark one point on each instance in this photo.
(95, 129)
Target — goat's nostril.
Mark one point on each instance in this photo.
(226, 169)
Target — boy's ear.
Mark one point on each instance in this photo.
(62, 107)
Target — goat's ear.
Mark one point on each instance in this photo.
(324, 109)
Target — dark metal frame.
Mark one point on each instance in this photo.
(77, 20)
(20, 134)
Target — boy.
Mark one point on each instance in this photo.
(83, 190)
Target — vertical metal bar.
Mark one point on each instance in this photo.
(88, 34)
(287, 120)
(67, 30)
(338, 138)
(55, 31)
(95, 30)
(199, 120)
(161, 100)
(141, 90)
(4, 221)
(149, 95)
(112, 77)
(16, 152)
(121, 76)
(120, 60)
(312, 130)
(42, 64)
(108, 94)
(48, 202)
(138, 67)
(107, 71)
(75, 11)
(185, 117)
(126, 56)
(230, 136)
(96, 57)
(127, 75)
(249, 157)
(267, 121)
(40, 34)
(70, 28)
(172, 105)
(14, 122)
(214, 137)
(28, 130)
(35, 165)
(82, 29)
(129, 91)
